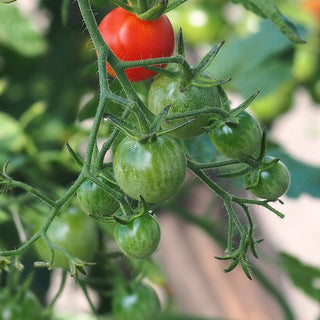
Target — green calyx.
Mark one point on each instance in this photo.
(144, 9)
(188, 75)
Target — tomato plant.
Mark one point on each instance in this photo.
(74, 232)
(165, 91)
(64, 126)
(139, 238)
(273, 181)
(154, 170)
(131, 38)
(95, 201)
(237, 140)
(136, 303)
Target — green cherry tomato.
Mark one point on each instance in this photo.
(238, 141)
(95, 201)
(166, 91)
(137, 303)
(154, 170)
(73, 231)
(273, 182)
(139, 238)
(270, 106)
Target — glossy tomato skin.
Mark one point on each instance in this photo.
(154, 170)
(75, 232)
(273, 182)
(131, 38)
(139, 238)
(166, 91)
(95, 201)
(240, 141)
(137, 303)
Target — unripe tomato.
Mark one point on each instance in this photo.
(166, 91)
(238, 141)
(268, 107)
(137, 303)
(273, 182)
(131, 38)
(139, 238)
(95, 201)
(75, 232)
(154, 170)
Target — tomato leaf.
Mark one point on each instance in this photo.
(267, 9)
(261, 60)
(17, 33)
(302, 275)
(12, 137)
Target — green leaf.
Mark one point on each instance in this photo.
(259, 61)
(267, 9)
(12, 137)
(17, 33)
(304, 178)
(304, 276)
(200, 148)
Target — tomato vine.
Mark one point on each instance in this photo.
(157, 162)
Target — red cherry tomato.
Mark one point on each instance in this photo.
(131, 38)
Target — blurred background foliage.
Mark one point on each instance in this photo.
(48, 90)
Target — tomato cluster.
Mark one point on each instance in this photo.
(151, 169)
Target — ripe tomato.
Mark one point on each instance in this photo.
(139, 302)
(238, 141)
(166, 91)
(273, 182)
(154, 170)
(75, 232)
(139, 238)
(131, 38)
(313, 6)
(95, 201)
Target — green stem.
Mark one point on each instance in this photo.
(202, 176)
(218, 164)
(56, 207)
(32, 190)
(60, 290)
(230, 235)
